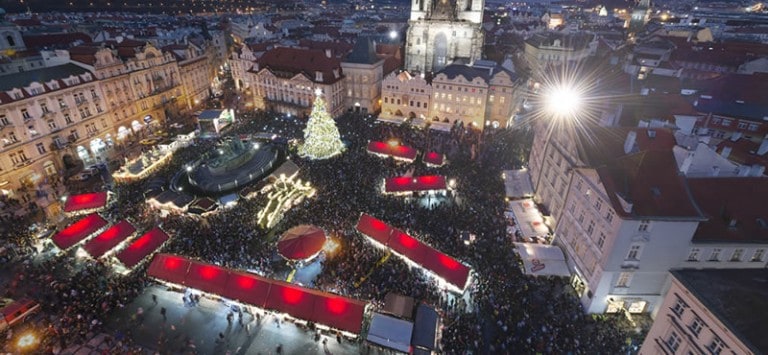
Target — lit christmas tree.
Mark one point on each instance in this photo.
(321, 137)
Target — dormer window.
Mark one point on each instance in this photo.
(54, 85)
(319, 76)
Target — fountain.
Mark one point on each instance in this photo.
(233, 164)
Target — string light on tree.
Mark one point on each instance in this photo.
(321, 137)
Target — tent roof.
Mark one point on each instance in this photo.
(425, 327)
(447, 268)
(300, 302)
(541, 260)
(408, 246)
(420, 183)
(85, 201)
(142, 247)
(390, 332)
(517, 183)
(170, 268)
(208, 277)
(400, 151)
(301, 242)
(374, 228)
(247, 288)
(109, 239)
(78, 231)
(433, 158)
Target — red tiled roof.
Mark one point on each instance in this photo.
(284, 61)
(650, 181)
(600, 145)
(743, 151)
(740, 200)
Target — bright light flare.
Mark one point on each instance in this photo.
(563, 100)
(27, 341)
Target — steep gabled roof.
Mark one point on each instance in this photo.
(293, 61)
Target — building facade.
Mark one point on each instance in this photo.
(284, 80)
(711, 312)
(478, 95)
(443, 31)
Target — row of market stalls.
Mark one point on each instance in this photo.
(323, 308)
(447, 270)
(407, 184)
(527, 227)
(405, 153)
(100, 239)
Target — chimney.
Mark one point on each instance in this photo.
(763, 146)
(629, 143)
(328, 53)
(726, 152)
(715, 170)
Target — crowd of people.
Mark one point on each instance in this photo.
(507, 312)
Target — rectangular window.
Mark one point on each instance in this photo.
(727, 121)
(624, 279)
(679, 308)
(715, 256)
(696, 326)
(25, 113)
(40, 148)
(758, 255)
(598, 204)
(737, 254)
(673, 341)
(752, 127)
(742, 125)
(67, 118)
(609, 216)
(4, 120)
(601, 240)
(694, 254)
(591, 228)
(634, 252)
(716, 346)
(644, 225)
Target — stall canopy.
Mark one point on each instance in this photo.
(300, 302)
(374, 228)
(390, 332)
(517, 183)
(247, 288)
(542, 260)
(169, 268)
(419, 183)
(433, 158)
(425, 328)
(142, 247)
(441, 265)
(392, 149)
(301, 242)
(528, 218)
(78, 231)
(210, 278)
(398, 305)
(85, 202)
(109, 239)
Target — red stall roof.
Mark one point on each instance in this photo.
(408, 246)
(247, 288)
(419, 183)
(396, 150)
(78, 231)
(374, 228)
(109, 239)
(300, 302)
(142, 247)
(297, 301)
(207, 277)
(85, 201)
(433, 158)
(170, 268)
(447, 268)
(339, 312)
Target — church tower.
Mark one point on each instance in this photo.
(443, 31)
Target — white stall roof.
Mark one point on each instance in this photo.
(517, 183)
(528, 218)
(542, 260)
(390, 332)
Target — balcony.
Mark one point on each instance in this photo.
(28, 118)
(22, 163)
(96, 98)
(8, 143)
(48, 113)
(81, 102)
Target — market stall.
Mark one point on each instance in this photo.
(542, 260)
(517, 183)
(86, 203)
(109, 239)
(407, 184)
(142, 247)
(79, 231)
(392, 149)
